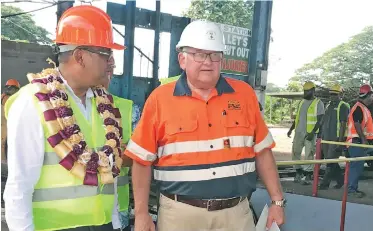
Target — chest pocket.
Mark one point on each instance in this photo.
(236, 123)
(181, 127)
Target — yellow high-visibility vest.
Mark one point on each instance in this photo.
(311, 115)
(60, 200)
(169, 80)
(338, 120)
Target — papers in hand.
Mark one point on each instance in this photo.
(262, 222)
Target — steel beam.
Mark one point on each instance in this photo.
(129, 52)
(261, 30)
(156, 45)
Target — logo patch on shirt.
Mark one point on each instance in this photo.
(227, 144)
(234, 105)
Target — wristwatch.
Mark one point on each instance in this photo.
(280, 203)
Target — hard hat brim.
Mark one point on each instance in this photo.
(117, 46)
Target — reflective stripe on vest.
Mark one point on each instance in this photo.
(366, 124)
(311, 115)
(338, 119)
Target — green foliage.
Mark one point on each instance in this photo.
(21, 27)
(234, 12)
(349, 64)
(279, 110)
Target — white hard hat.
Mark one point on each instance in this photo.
(202, 35)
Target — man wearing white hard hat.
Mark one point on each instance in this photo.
(206, 139)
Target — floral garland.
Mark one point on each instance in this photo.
(68, 140)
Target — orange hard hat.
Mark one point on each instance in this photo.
(12, 82)
(364, 90)
(86, 26)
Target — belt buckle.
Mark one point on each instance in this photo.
(209, 203)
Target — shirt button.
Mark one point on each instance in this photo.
(211, 146)
(180, 129)
(207, 103)
(237, 123)
(210, 125)
(213, 173)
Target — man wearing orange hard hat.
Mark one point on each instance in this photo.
(65, 164)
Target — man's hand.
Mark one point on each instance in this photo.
(144, 222)
(289, 133)
(310, 136)
(275, 214)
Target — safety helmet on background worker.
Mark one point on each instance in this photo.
(13, 82)
(202, 35)
(85, 26)
(336, 89)
(308, 86)
(364, 90)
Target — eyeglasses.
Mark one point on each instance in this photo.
(201, 57)
(107, 54)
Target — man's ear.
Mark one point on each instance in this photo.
(182, 60)
(79, 57)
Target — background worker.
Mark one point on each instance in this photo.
(44, 191)
(11, 87)
(334, 128)
(206, 138)
(360, 131)
(306, 124)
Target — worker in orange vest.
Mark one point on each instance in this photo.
(360, 131)
(206, 138)
(11, 87)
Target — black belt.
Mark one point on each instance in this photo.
(210, 205)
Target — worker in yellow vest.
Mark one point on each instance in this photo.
(306, 125)
(334, 128)
(65, 134)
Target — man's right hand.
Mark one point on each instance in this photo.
(144, 222)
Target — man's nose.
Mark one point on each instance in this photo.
(111, 61)
(208, 59)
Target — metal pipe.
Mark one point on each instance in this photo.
(316, 169)
(328, 161)
(345, 195)
(346, 144)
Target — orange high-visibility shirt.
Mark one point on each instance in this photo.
(366, 124)
(202, 149)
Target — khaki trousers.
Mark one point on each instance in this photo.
(299, 143)
(177, 216)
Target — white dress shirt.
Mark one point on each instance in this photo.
(25, 159)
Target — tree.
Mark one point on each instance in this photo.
(349, 64)
(21, 27)
(235, 12)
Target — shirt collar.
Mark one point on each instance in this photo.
(89, 94)
(182, 88)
